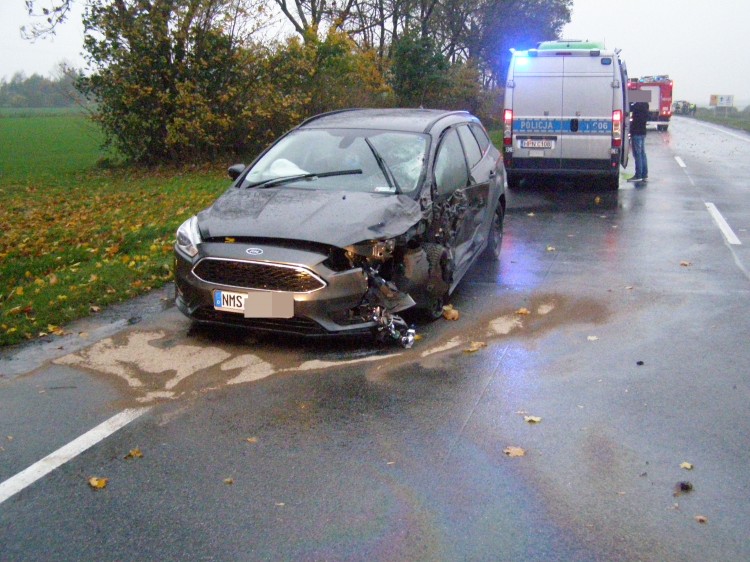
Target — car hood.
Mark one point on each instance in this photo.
(337, 218)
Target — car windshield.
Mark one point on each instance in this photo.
(343, 160)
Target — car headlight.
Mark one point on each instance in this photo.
(188, 237)
(375, 249)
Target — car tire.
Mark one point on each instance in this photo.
(495, 238)
(438, 257)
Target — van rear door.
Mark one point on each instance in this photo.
(537, 107)
(588, 98)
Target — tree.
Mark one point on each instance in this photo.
(165, 74)
(419, 70)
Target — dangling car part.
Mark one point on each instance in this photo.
(344, 223)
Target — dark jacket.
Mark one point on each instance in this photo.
(639, 113)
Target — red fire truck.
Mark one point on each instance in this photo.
(657, 91)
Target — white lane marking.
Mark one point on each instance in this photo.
(41, 468)
(726, 230)
(680, 162)
(720, 130)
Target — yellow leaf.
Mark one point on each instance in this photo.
(19, 291)
(532, 419)
(523, 311)
(475, 346)
(514, 451)
(53, 279)
(228, 481)
(252, 439)
(550, 248)
(98, 483)
(134, 454)
(686, 466)
(229, 240)
(450, 313)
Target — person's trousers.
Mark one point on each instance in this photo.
(639, 154)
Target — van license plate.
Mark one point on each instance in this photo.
(538, 143)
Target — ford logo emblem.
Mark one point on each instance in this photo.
(254, 251)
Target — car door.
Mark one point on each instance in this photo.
(460, 199)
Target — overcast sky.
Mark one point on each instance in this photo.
(699, 43)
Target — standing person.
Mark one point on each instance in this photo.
(639, 116)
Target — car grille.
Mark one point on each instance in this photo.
(257, 275)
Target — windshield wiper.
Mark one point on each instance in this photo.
(286, 179)
(389, 177)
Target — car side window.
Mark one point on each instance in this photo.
(471, 146)
(481, 135)
(450, 165)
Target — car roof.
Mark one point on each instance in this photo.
(401, 119)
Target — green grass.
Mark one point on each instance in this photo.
(76, 237)
(740, 120)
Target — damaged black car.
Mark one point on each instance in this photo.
(345, 222)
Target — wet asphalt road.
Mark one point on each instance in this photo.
(634, 355)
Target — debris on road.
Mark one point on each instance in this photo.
(523, 311)
(514, 451)
(686, 466)
(475, 346)
(682, 488)
(532, 419)
(702, 519)
(685, 263)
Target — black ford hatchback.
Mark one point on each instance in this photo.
(344, 222)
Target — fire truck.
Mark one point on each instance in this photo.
(657, 91)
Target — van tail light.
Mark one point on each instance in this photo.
(617, 128)
(508, 127)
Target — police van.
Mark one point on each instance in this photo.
(565, 113)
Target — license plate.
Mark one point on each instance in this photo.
(227, 301)
(538, 143)
(259, 304)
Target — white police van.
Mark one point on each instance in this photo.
(565, 113)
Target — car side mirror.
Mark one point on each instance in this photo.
(235, 170)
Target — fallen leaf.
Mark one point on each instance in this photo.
(592, 338)
(514, 451)
(134, 454)
(280, 504)
(252, 439)
(702, 519)
(417, 337)
(94, 308)
(98, 483)
(597, 199)
(685, 263)
(530, 215)
(686, 466)
(450, 313)
(475, 346)
(532, 419)
(629, 287)
(228, 481)
(523, 311)
(10, 438)
(83, 335)
(550, 248)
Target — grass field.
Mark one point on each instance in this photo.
(77, 237)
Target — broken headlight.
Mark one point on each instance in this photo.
(188, 237)
(380, 250)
